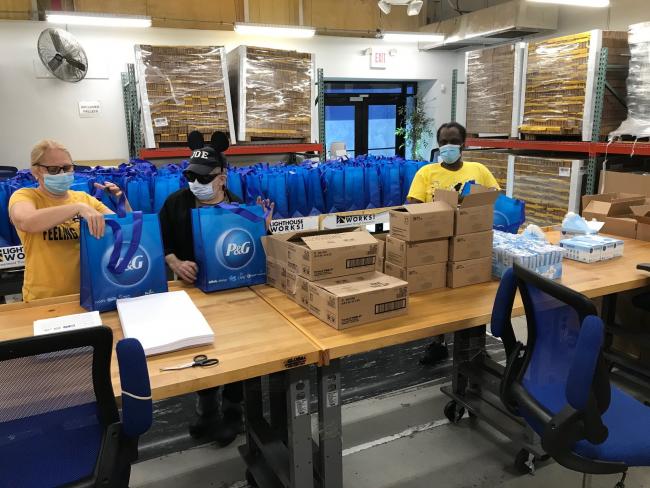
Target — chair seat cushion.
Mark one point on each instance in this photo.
(627, 420)
(50, 449)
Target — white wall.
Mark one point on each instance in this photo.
(32, 109)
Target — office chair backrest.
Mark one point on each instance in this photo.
(563, 327)
(56, 398)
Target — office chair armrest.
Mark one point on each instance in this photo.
(137, 406)
(581, 373)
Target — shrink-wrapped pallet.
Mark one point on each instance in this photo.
(638, 84)
(272, 93)
(493, 91)
(183, 88)
(560, 84)
(550, 187)
(496, 162)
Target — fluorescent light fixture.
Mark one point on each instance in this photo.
(99, 20)
(413, 37)
(269, 30)
(414, 7)
(384, 6)
(576, 3)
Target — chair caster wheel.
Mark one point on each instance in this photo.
(250, 480)
(525, 462)
(454, 412)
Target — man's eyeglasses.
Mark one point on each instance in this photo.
(55, 170)
(203, 179)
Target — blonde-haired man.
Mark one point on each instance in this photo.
(47, 220)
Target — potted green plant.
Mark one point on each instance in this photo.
(416, 128)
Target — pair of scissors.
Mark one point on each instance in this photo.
(200, 360)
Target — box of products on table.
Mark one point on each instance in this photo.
(623, 214)
(447, 242)
(529, 249)
(332, 274)
(582, 242)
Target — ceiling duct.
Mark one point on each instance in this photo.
(493, 25)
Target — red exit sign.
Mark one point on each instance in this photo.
(378, 58)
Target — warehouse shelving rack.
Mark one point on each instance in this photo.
(131, 111)
(594, 149)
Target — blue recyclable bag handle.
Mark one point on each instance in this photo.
(120, 205)
(116, 266)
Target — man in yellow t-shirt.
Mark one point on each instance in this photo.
(47, 221)
(450, 173)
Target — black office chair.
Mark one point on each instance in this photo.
(59, 423)
(558, 382)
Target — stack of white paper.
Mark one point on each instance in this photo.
(67, 322)
(164, 322)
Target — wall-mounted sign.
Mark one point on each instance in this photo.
(90, 109)
(378, 58)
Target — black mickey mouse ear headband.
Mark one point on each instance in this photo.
(218, 140)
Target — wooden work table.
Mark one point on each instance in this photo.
(251, 339)
(446, 310)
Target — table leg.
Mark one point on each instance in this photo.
(278, 451)
(299, 439)
(330, 460)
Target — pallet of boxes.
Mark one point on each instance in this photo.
(332, 274)
(447, 242)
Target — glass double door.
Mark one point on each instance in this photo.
(366, 123)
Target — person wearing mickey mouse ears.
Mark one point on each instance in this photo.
(207, 178)
(47, 221)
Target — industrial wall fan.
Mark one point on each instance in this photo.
(62, 55)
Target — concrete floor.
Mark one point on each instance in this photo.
(400, 439)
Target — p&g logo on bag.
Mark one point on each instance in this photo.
(235, 248)
(135, 272)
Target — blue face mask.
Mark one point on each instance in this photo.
(58, 184)
(450, 154)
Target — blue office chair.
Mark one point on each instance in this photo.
(558, 382)
(59, 422)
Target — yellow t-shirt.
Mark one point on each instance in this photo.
(52, 256)
(434, 176)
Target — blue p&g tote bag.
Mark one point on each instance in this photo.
(227, 246)
(127, 262)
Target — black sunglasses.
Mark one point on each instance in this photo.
(55, 170)
(203, 179)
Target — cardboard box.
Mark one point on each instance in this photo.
(380, 265)
(642, 215)
(381, 244)
(411, 254)
(471, 246)
(615, 182)
(610, 248)
(422, 221)
(614, 209)
(420, 278)
(583, 251)
(474, 212)
(463, 273)
(324, 254)
(298, 289)
(358, 299)
(276, 274)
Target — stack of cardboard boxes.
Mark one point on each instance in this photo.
(332, 274)
(417, 247)
(470, 247)
(444, 243)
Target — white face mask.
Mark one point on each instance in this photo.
(202, 192)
